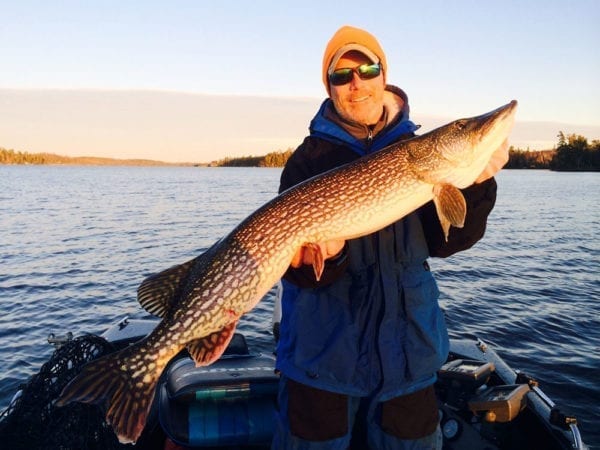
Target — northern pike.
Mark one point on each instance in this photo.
(201, 301)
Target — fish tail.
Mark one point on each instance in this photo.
(125, 382)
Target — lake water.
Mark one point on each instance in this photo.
(75, 242)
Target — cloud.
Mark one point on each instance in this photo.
(161, 125)
(184, 127)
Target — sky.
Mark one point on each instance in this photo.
(200, 80)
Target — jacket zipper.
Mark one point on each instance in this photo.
(369, 139)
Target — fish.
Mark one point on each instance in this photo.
(201, 301)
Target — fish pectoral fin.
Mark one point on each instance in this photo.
(450, 205)
(207, 350)
(318, 259)
(158, 292)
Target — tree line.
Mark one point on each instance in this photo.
(273, 159)
(572, 153)
(14, 157)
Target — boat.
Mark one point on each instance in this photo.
(483, 403)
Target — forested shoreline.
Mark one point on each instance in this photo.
(572, 153)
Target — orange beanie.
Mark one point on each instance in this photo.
(350, 38)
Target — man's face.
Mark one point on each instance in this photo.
(359, 100)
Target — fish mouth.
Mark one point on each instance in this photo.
(488, 127)
(505, 114)
(494, 131)
(497, 123)
(508, 109)
(465, 157)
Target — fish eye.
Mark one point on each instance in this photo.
(460, 124)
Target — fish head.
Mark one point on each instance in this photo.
(457, 153)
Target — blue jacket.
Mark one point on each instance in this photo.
(372, 326)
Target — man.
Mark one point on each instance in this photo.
(360, 348)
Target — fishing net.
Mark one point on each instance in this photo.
(32, 421)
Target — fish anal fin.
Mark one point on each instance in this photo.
(207, 350)
(158, 292)
(450, 205)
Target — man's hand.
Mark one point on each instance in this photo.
(497, 161)
(306, 254)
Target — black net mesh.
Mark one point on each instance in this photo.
(33, 422)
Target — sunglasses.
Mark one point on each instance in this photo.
(364, 71)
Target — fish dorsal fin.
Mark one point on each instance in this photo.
(158, 292)
(450, 205)
(207, 350)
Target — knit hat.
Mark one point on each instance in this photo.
(350, 38)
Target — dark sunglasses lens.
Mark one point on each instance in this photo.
(341, 76)
(365, 72)
(368, 71)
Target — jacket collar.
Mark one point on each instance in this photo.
(393, 125)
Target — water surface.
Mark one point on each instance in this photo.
(76, 242)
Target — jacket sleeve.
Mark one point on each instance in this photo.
(480, 199)
(307, 161)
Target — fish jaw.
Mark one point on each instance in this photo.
(493, 132)
(460, 151)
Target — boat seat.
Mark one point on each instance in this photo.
(229, 403)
